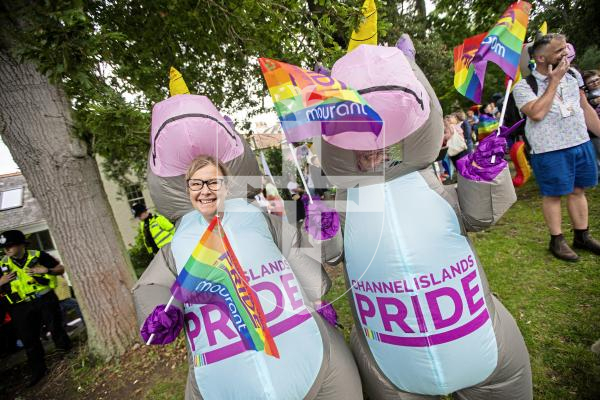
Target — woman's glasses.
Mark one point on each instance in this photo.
(196, 185)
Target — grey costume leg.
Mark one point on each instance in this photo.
(191, 388)
(376, 385)
(512, 377)
(342, 381)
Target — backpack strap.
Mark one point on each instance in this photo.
(532, 82)
(572, 72)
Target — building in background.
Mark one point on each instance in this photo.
(265, 136)
(121, 199)
(20, 210)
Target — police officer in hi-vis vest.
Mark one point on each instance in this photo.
(155, 229)
(27, 280)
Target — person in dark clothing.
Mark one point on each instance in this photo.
(466, 128)
(27, 280)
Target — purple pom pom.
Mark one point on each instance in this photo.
(321, 222)
(164, 325)
(328, 313)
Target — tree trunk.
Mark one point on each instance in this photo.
(35, 124)
(421, 9)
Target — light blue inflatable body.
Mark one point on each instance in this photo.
(416, 287)
(217, 349)
(314, 361)
(426, 322)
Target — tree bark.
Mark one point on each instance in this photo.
(35, 124)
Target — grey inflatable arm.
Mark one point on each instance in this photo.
(483, 203)
(154, 286)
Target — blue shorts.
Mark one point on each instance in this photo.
(559, 172)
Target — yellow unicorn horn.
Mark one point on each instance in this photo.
(367, 31)
(176, 83)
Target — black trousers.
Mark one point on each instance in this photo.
(28, 317)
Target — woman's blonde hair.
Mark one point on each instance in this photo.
(203, 161)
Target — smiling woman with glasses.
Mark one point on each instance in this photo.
(196, 185)
(206, 185)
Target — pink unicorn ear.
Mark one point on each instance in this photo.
(320, 69)
(406, 45)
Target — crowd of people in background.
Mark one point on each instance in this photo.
(591, 81)
(464, 129)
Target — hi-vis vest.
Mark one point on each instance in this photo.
(161, 230)
(25, 285)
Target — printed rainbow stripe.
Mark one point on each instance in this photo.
(310, 104)
(501, 45)
(487, 124)
(199, 360)
(213, 274)
(371, 334)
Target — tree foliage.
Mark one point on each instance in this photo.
(102, 53)
(112, 58)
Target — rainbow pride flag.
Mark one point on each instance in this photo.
(466, 80)
(504, 41)
(310, 104)
(487, 124)
(213, 274)
(502, 46)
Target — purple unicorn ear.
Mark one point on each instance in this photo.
(320, 69)
(570, 52)
(406, 45)
(229, 121)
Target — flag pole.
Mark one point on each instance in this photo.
(503, 112)
(300, 172)
(266, 169)
(149, 342)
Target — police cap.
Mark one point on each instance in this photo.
(12, 237)
(137, 209)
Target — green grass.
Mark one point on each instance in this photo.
(169, 387)
(556, 304)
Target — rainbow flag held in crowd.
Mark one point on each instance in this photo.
(213, 275)
(310, 104)
(504, 41)
(466, 80)
(502, 46)
(487, 124)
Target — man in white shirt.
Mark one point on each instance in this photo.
(562, 156)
